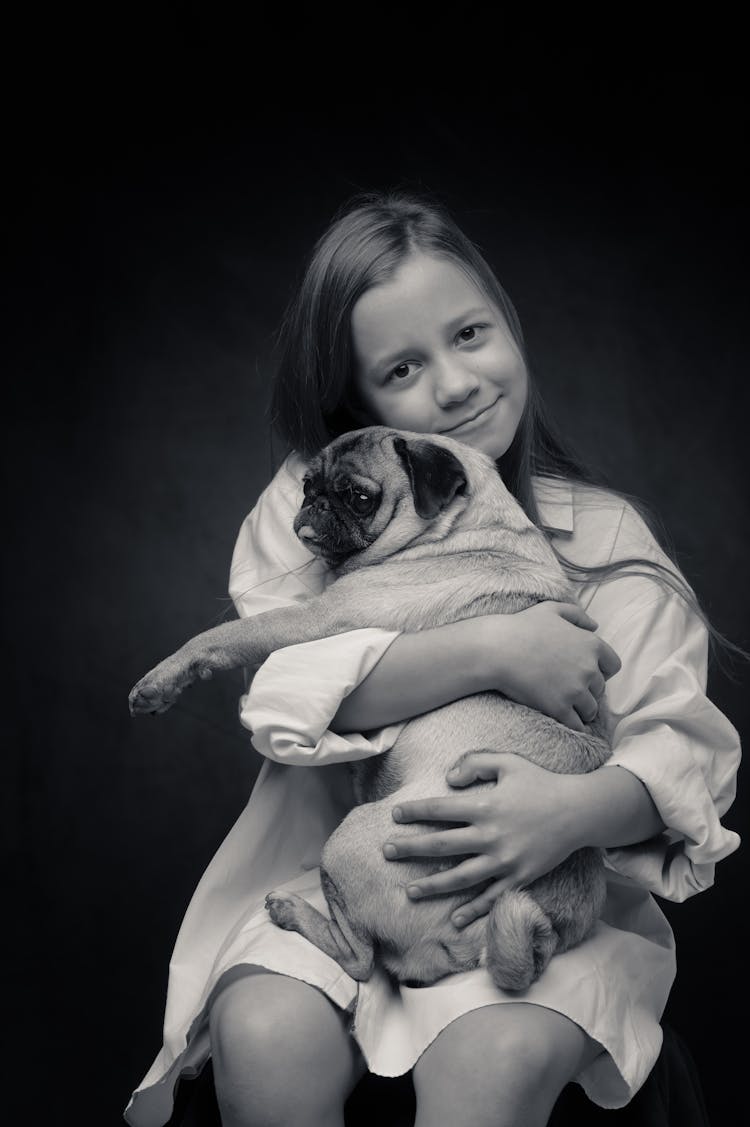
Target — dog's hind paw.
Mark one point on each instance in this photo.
(283, 908)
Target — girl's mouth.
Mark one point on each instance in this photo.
(472, 418)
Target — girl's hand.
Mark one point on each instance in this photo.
(516, 831)
(548, 657)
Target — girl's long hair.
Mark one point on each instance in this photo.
(312, 398)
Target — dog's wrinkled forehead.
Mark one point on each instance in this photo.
(363, 454)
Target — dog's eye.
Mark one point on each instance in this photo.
(359, 502)
(308, 489)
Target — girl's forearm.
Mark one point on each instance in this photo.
(419, 672)
(612, 808)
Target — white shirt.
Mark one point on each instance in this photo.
(666, 732)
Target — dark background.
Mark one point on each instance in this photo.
(158, 239)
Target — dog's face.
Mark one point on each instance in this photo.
(371, 492)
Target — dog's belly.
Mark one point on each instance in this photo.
(430, 744)
(416, 939)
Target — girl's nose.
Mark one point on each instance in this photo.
(454, 383)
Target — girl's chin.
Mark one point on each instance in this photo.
(490, 445)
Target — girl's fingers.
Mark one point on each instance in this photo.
(461, 808)
(597, 686)
(436, 844)
(476, 870)
(587, 708)
(609, 662)
(571, 612)
(572, 720)
(476, 765)
(479, 906)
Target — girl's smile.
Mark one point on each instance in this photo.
(433, 355)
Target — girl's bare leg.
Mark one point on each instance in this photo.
(499, 1066)
(281, 1054)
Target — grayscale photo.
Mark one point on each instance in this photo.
(380, 622)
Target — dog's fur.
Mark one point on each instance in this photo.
(419, 532)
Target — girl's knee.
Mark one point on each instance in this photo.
(246, 1021)
(507, 1065)
(265, 1018)
(266, 1027)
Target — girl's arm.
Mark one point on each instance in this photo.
(677, 744)
(546, 657)
(329, 700)
(500, 828)
(655, 806)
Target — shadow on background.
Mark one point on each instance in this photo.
(157, 252)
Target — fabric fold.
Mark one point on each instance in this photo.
(299, 689)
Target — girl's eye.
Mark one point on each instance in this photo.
(401, 372)
(469, 334)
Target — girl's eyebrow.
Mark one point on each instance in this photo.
(451, 327)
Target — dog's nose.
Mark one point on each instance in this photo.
(306, 532)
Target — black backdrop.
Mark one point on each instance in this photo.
(158, 244)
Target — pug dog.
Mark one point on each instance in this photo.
(419, 531)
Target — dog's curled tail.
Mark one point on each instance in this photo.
(520, 940)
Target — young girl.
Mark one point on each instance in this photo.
(400, 321)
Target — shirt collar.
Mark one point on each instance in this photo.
(554, 498)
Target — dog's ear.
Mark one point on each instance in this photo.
(436, 475)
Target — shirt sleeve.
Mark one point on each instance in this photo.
(296, 693)
(669, 735)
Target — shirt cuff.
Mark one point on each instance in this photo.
(297, 692)
(679, 862)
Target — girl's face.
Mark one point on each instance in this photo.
(434, 356)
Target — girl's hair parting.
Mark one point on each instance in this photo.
(313, 400)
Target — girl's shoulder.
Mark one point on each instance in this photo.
(286, 482)
(594, 525)
(292, 469)
(279, 504)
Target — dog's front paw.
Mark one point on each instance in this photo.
(282, 907)
(159, 689)
(151, 695)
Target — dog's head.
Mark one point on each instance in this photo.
(375, 491)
